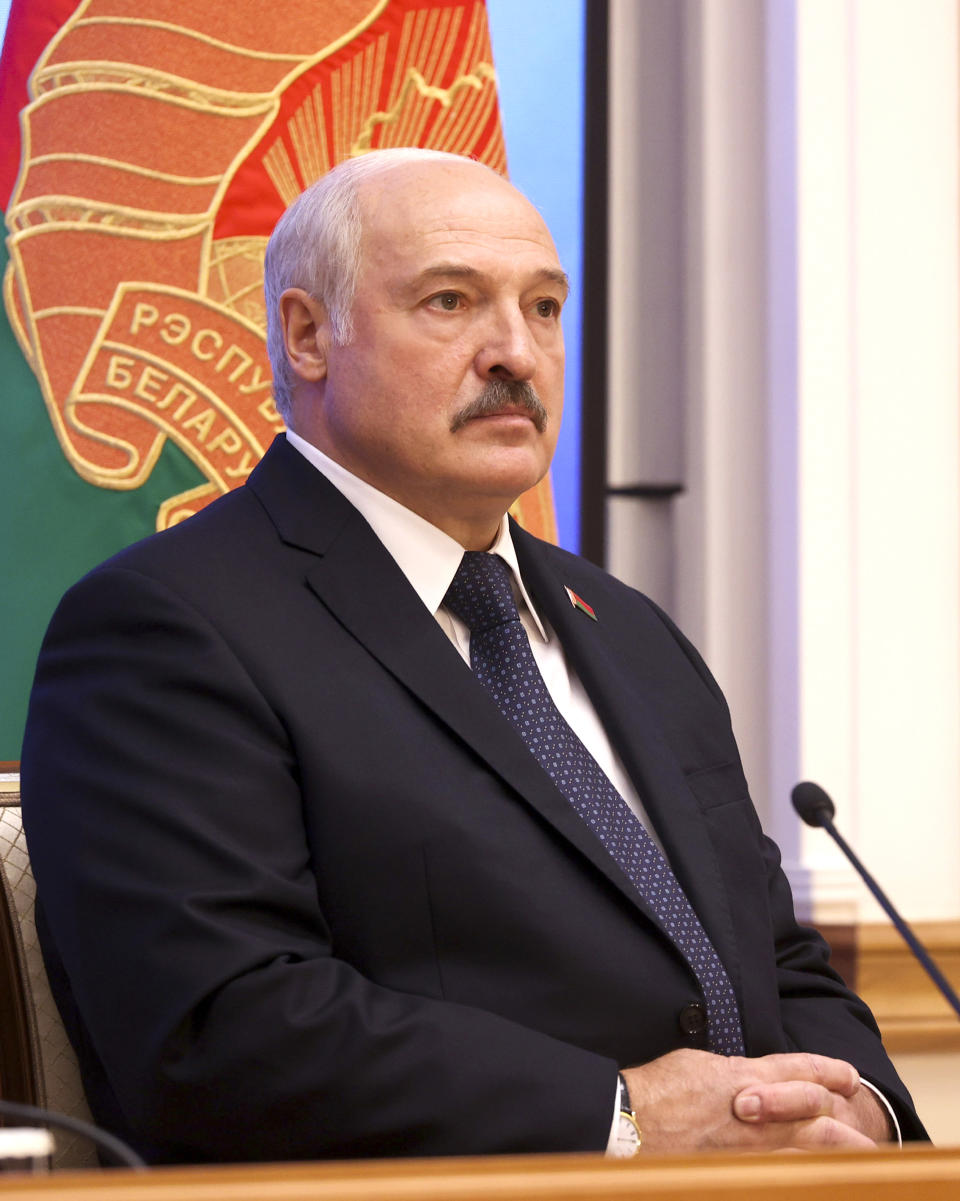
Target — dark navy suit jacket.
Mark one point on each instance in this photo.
(304, 891)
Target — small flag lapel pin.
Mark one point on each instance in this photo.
(579, 603)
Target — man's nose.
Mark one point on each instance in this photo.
(508, 350)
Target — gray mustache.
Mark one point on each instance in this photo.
(501, 394)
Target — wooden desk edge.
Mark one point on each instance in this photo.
(923, 1174)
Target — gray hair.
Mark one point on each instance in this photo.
(316, 246)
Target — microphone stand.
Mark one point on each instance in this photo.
(819, 812)
(905, 932)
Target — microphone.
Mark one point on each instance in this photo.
(813, 804)
(817, 809)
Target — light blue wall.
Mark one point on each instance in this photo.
(538, 51)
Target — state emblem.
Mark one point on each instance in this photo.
(161, 142)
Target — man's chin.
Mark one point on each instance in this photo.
(510, 481)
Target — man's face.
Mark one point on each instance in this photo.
(456, 326)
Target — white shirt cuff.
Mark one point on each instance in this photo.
(616, 1116)
(887, 1106)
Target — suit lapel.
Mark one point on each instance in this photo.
(364, 589)
(360, 584)
(629, 718)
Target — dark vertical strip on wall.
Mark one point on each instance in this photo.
(594, 369)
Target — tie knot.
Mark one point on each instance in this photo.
(480, 594)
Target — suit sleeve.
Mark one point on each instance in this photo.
(214, 1017)
(818, 1013)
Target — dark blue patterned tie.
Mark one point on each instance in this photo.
(482, 597)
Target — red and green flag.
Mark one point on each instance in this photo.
(146, 149)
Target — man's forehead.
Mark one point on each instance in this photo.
(446, 201)
(452, 218)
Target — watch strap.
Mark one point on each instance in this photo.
(628, 1115)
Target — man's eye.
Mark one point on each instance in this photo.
(547, 308)
(448, 301)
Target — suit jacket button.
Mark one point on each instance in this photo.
(693, 1019)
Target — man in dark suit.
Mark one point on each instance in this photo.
(310, 886)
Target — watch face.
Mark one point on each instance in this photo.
(627, 1142)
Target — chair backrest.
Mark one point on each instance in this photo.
(37, 1063)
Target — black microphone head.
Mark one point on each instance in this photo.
(812, 803)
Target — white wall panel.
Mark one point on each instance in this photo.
(814, 554)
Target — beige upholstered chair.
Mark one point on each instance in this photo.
(37, 1063)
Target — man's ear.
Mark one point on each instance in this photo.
(306, 333)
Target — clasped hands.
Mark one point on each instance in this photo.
(695, 1101)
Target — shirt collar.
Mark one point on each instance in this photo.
(427, 556)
